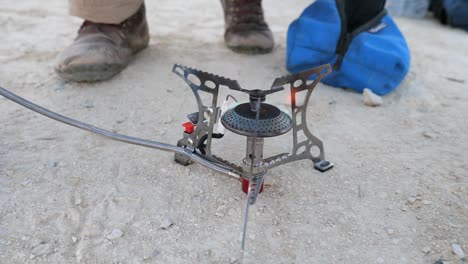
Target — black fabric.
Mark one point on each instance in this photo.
(358, 12)
(356, 16)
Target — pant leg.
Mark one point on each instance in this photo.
(104, 11)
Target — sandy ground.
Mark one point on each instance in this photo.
(398, 193)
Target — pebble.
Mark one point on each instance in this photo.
(458, 250)
(74, 239)
(88, 104)
(427, 134)
(426, 202)
(426, 250)
(383, 195)
(40, 250)
(52, 164)
(116, 233)
(155, 253)
(411, 200)
(219, 214)
(166, 223)
(221, 208)
(252, 236)
(231, 211)
(371, 99)
(390, 231)
(78, 200)
(168, 120)
(152, 255)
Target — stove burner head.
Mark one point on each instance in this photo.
(272, 121)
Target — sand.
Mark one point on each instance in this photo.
(398, 193)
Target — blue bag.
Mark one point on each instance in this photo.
(452, 12)
(374, 55)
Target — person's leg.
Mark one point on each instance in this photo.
(113, 31)
(104, 11)
(245, 27)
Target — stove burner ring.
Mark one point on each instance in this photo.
(272, 121)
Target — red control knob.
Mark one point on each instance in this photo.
(189, 127)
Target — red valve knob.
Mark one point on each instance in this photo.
(189, 127)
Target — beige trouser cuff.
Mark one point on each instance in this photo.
(104, 11)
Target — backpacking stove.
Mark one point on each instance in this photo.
(255, 119)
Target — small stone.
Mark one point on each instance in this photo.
(426, 250)
(116, 233)
(419, 217)
(427, 135)
(426, 202)
(41, 250)
(219, 214)
(390, 231)
(221, 208)
(168, 120)
(166, 223)
(152, 255)
(371, 99)
(231, 211)
(252, 236)
(74, 239)
(458, 250)
(411, 200)
(52, 164)
(383, 195)
(268, 181)
(155, 253)
(88, 104)
(78, 200)
(404, 208)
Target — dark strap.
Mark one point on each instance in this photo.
(358, 25)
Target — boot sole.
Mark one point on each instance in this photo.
(90, 73)
(250, 50)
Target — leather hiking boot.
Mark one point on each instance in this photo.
(245, 27)
(102, 50)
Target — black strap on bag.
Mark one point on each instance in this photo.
(356, 16)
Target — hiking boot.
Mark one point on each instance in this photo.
(245, 27)
(102, 50)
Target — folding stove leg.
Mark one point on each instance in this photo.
(305, 144)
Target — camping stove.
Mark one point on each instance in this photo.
(256, 120)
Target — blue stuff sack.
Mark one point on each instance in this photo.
(374, 56)
(452, 12)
